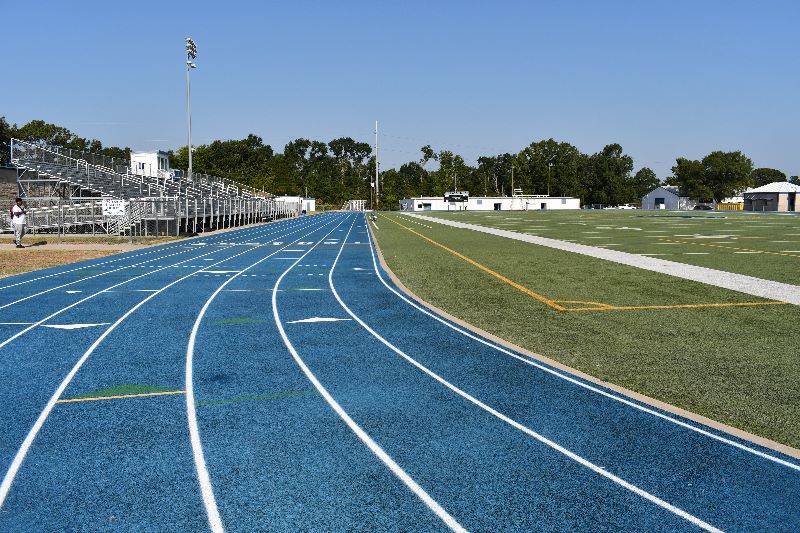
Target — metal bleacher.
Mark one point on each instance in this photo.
(69, 191)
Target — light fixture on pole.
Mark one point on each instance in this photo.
(191, 53)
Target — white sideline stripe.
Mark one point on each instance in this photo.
(203, 477)
(544, 440)
(19, 457)
(577, 382)
(374, 447)
(772, 290)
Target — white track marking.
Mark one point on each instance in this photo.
(203, 477)
(316, 319)
(19, 457)
(108, 289)
(155, 248)
(374, 447)
(102, 273)
(575, 381)
(74, 326)
(513, 423)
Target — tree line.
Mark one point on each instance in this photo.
(343, 169)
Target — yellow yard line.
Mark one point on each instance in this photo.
(98, 398)
(730, 247)
(608, 307)
(489, 271)
(595, 306)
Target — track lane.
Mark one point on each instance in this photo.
(735, 486)
(21, 453)
(34, 308)
(319, 477)
(20, 291)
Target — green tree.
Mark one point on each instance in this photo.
(6, 133)
(644, 181)
(727, 173)
(689, 176)
(763, 176)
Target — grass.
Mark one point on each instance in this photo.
(761, 245)
(737, 365)
(14, 261)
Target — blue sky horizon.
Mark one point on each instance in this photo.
(663, 79)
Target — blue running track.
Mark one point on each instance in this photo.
(273, 378)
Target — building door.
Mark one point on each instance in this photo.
(497, 207)
(543, 207)
(791, 205)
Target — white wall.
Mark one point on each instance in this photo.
(479, 203)
(149, 163)
(670, 203)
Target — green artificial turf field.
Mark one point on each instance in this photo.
(682, 342)
(761, 245)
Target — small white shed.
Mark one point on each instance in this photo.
(669, 198)
(150, 163)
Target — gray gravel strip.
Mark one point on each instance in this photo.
(773, 290)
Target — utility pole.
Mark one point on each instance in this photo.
(191, 53)
(377, 176)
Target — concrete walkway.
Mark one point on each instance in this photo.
(773, 290)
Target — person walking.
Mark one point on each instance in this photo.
(18, 221)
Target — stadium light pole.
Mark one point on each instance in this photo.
(191, 53)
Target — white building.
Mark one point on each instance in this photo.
(491, 203)
(150, 164)
(776, 196)
(669, 198)
(305, 204)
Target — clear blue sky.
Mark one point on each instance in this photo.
(662, 78)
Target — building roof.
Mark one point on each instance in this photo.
(775, 187)
(669, 188)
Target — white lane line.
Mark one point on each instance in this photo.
(374, 447)
(136, 265)
(110, 289)
(203, 477)
(155, 248)
(8, 479)
(574, 381)
(513, 423)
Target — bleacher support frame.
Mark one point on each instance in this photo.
(65, 189)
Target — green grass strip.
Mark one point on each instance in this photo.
(123, 390)
(236, 320)
(263, 397)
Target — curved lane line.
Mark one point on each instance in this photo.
(513, 423)
(575, 381)
(374, 447)
(19, 457)
(203, 477)
(107, 289)
(86, 278)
